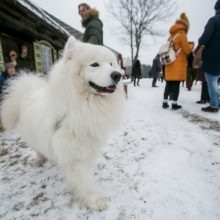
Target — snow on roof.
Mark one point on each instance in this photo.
(34, 8)
(43, 15)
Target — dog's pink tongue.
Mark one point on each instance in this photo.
(112, 87)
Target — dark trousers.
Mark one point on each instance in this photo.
(172, 88)
(191, 76)
(154, 81)
(138, 79)
(204, 92)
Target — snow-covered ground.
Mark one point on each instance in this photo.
(160, 165)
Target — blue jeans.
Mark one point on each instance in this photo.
(214, 93)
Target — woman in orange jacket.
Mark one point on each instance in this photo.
(176, 71)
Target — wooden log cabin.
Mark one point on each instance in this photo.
(36, 36)
(33, 34)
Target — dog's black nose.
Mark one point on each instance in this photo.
(116, 76)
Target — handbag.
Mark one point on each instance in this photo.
(167, 53)
(197, 62)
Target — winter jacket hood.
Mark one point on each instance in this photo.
(177, 27)
(91, 13)
(181, 24)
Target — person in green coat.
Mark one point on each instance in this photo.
(93, 25)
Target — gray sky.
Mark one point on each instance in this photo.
(198, 12)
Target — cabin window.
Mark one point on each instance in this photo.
(45, 56)
(46, 53)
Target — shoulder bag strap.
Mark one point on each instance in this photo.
(179, 50)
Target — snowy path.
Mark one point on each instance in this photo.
(161, 164)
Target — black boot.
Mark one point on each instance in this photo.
(209, 109)
(165, 105)
(176, 107)
(201, 102)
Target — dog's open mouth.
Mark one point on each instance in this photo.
(100, 89)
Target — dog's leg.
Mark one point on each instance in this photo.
(40, 160)
(79, 179)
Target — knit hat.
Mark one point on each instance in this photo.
(217, 5)
(183, 20)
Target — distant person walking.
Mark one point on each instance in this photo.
(93, 25)
(191, 72)
(136, 72)
(209, 51)
(176, 71)
(156, 69)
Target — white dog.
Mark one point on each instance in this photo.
(68, 116)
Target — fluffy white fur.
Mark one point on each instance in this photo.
(63, 118)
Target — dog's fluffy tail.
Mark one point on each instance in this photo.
(15, 92)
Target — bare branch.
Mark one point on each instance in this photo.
(139, 18)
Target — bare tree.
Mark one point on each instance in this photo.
(139, 18)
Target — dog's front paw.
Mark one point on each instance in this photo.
(96, 202)
(40, 160)
(39, 163)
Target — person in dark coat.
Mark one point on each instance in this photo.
(156, 69)
(93, 25)
(209, 44)
(24, 61)
(136, 72)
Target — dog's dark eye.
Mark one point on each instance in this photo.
(111, 64)
(94, 65)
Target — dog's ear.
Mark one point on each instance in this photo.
(70, 48)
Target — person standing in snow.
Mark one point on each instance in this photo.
(176, 71)
(156, 69)
(136, 72)
(93, 25)
(208, 51)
